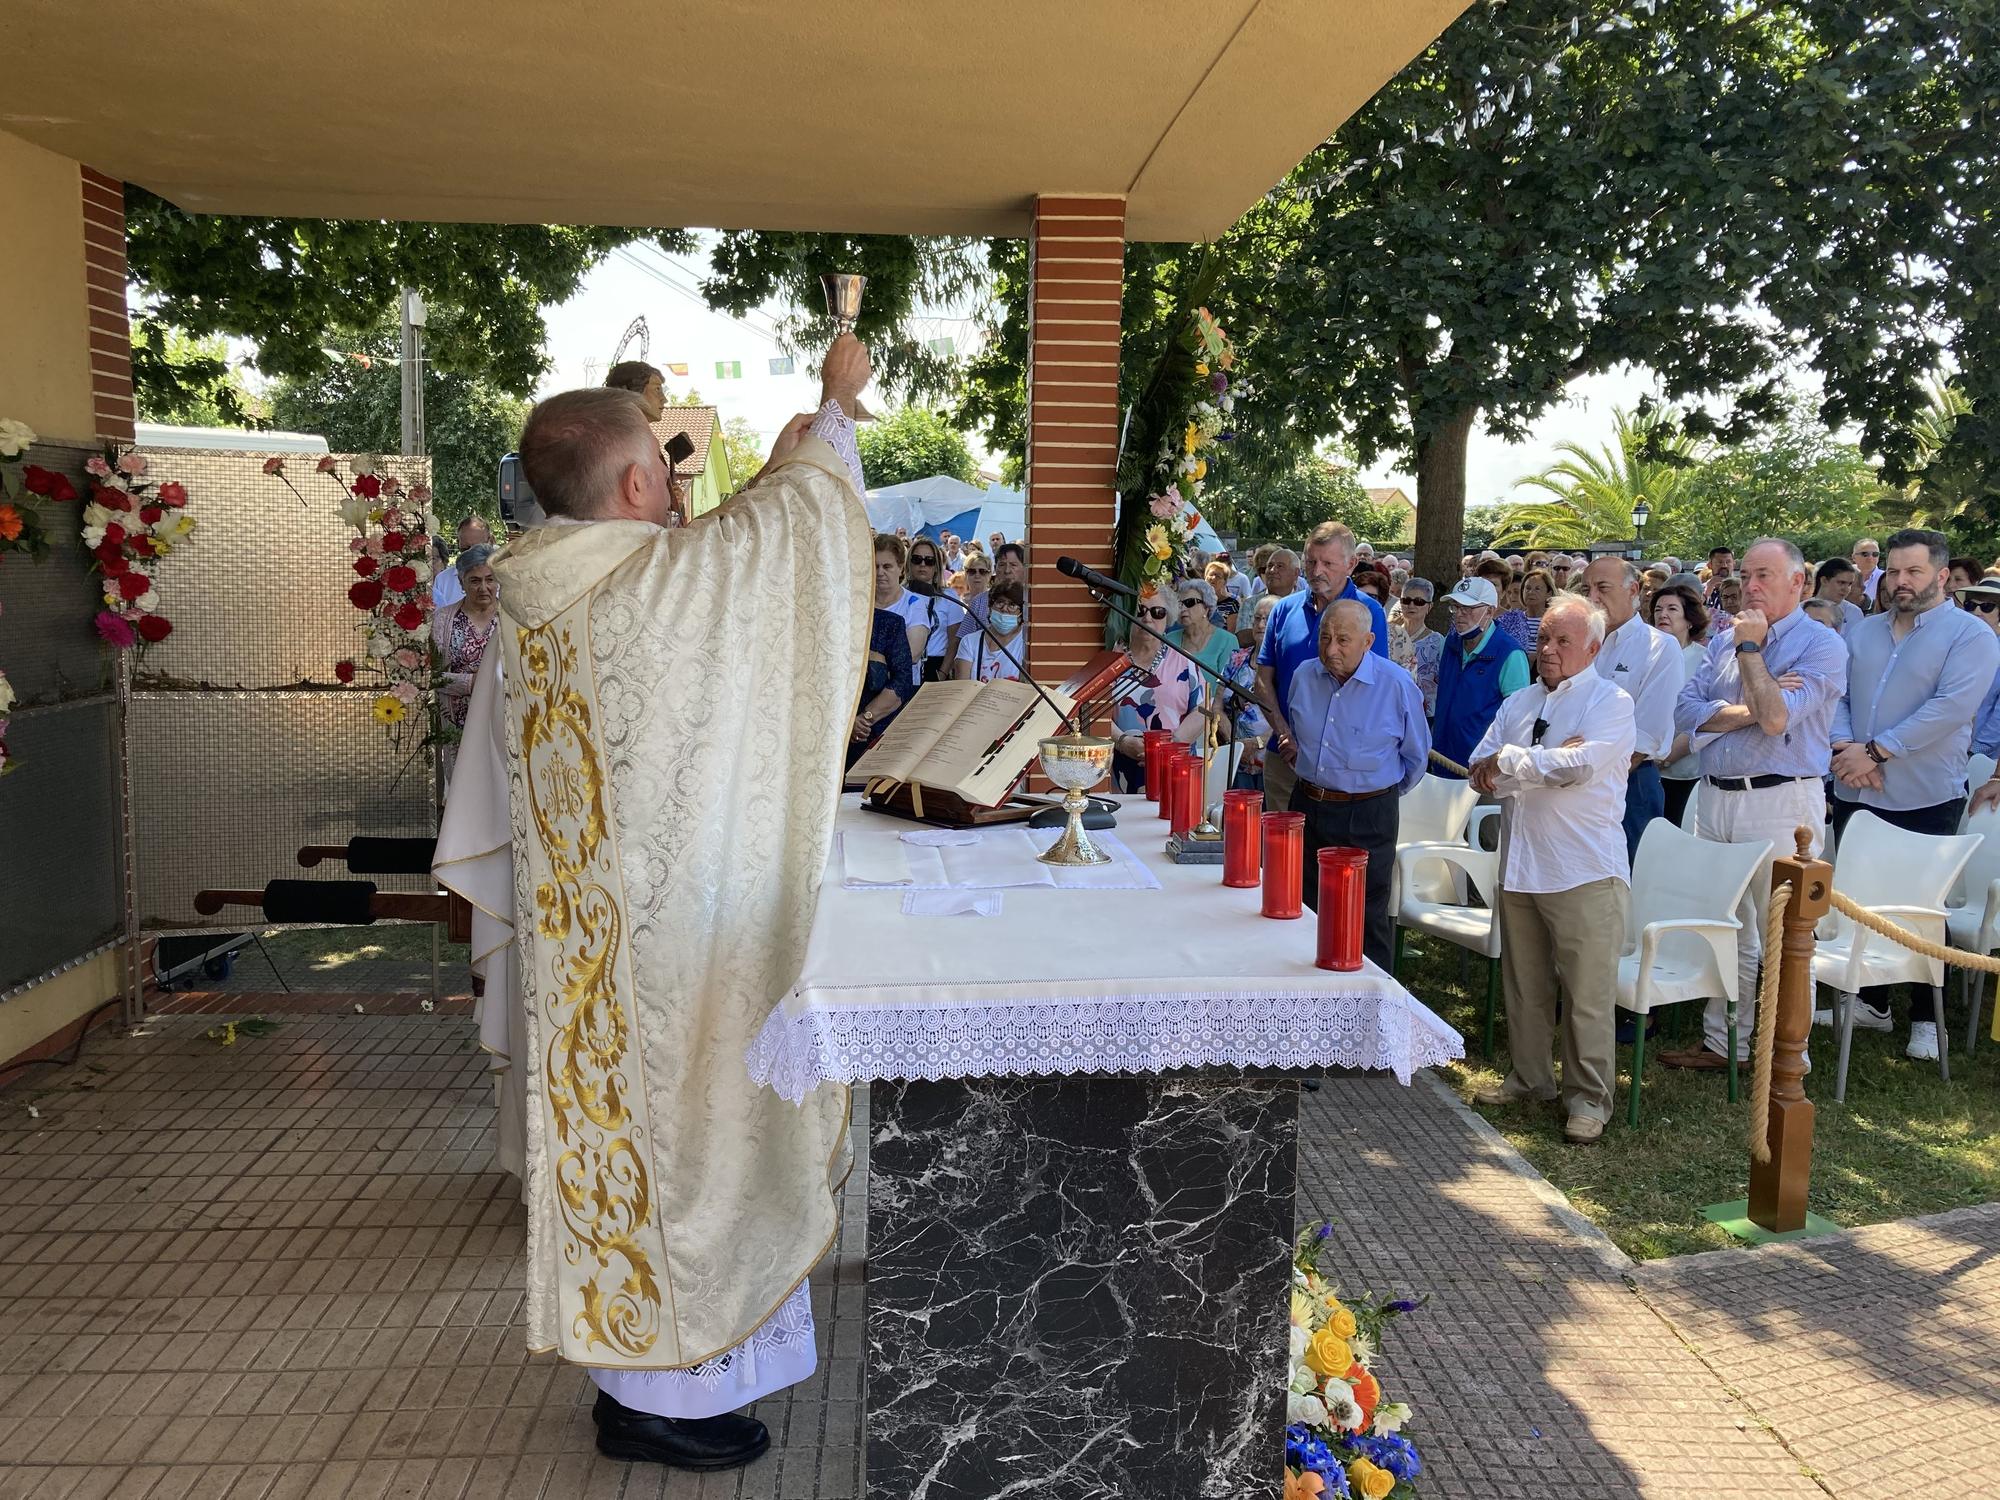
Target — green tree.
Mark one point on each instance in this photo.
(1260, 506)
(744, 451)
(355, 404)
(188, 382)
(1951, 490)
(290, 285)
(1797, 482)
(1591, 496)
(914, 443)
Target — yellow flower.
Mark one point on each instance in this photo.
(1200, 469)
(1156, 541)
(1339, 1319)
(1369, 1480)
(1201, 367)
(1302, 1309)
(390, 710)
(1328, 1355)
(1191, 439)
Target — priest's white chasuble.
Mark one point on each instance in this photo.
(640, 815)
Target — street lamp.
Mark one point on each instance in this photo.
(1641, 514)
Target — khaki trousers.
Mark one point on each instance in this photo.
(1279, 779)
(1564, 943)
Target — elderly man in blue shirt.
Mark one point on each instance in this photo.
(1759, 711)
(1361, 743)
(1902, 734)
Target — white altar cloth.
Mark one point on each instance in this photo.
(1080, 981)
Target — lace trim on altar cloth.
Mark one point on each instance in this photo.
(778, 1354)
(795, 1053)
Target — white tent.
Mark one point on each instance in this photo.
(939, 503)
(1004, 511)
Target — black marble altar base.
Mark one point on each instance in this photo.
(1078, 1287)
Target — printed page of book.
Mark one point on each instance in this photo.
(988, 746)
(913, 732)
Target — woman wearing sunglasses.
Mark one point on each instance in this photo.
(933, 610)
(1173, 697)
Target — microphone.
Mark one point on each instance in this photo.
(1069, 567)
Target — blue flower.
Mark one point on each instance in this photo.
(1394, 1452)
(1400, 1305)
(1307, 1451)
(1325, 1231)
(1335, 1479)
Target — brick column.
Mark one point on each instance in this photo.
(110, 329)
(1076, 258)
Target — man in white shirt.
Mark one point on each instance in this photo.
(445, 586)
(1556, 756)
(1868, 559)
(1646, 664)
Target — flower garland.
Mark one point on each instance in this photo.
(1180, 471)
(391, 562)
(20, 531)
(131, 524)
(1341, 1437)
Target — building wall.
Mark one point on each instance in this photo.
(45, 355)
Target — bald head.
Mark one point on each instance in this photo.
(589, 455)
(1346, 631)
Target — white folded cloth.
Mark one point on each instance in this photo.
(942, 838)
(951, 903)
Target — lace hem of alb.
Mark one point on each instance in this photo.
(787, 1330)
(795, 1053)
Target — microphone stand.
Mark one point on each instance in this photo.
(1234, 698)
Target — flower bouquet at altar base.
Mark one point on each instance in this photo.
(390, 558)
(1341, 1437)
(131, 525)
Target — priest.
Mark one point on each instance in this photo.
(643, 806)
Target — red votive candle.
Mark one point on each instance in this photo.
(1343, 907)
(1154, 739)
(1284, 863)
(1170, 751)
(1242, 850)
(1184, 788)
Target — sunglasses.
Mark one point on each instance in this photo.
(1410, 602)
(1984, 606)
(1192, 604)
(922, 560)
(1155, 613)
(978, 572)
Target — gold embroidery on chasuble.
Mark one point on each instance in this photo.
(607, 1228)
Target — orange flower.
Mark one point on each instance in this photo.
(10, 523)
(1303, 1484)
(1367, 1392)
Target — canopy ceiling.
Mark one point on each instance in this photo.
(883, 116)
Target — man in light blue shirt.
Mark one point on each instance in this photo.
(1759, 710)
(1902, 733)
(1982, 602)
(1360, 743)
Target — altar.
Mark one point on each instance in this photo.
(1083, 1115)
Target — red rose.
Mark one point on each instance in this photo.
(155, 627)
(114, 534)
(47, 483)
(392, 541)
(366, 566)
(344, 670)
(173, 492)
(368, 487)
(401, 578)
(111, 498)
(410, 616)
(107, 550)
(140, 546)
(150, 514)
(132, 585)
(113, 565)
(366, 594)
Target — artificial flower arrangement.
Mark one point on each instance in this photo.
(17, 521)
(131, 524)
(1341, 1437)
(390, 557)
(1181, 469)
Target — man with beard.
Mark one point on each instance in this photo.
(1902, 734)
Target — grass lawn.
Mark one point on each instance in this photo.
(1903, 1143)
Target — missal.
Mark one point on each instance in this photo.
(973, 739)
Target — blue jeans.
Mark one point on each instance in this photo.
(1645, 800)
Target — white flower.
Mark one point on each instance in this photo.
(1390, 1417)
(93, 537)
(1363, 1347)
(365, 463)
(1309, 1410)
(1341, 1407)
(379, 646)
(99, 516)
(1300, 1338)
(148, 602)
(6, 693)
(354, 511)
(16, 438)
(1304, 1379)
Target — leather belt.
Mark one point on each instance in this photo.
(1327, 794)
(1752, 783)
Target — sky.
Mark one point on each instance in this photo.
(642, 281)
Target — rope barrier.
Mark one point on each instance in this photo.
(1916, 942)
(1451, 765)
(1767, 1024)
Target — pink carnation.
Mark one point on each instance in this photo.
(115, 629)
(1164, 505)
(408, 659)
(132, 463)
(356, 544)
(420, 493)
(392, 486)
(327, 464)
(95, 464)
(274, 465)
(405, 691)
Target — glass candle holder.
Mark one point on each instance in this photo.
(1154, 739)
(1242, 849)
(1185, 782)
(1343, 908)
(1170, 752)
(1284, 864)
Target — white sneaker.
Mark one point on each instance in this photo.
(1923, 1041)
(1866, 1018)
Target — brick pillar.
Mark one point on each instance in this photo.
(110, 329)
(1076, 258)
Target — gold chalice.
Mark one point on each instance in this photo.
(1076, 763)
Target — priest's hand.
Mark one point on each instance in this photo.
(789, 437)
(845, 372)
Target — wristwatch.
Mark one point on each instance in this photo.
(1873, 754)
(1749, 648)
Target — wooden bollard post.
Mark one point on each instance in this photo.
(1778, 1187)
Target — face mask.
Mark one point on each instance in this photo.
(1004, 620)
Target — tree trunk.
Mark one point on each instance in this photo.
(1441, 500)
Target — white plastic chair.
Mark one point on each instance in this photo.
(1433, 811)
(1691, 814)
(1475, 928)
(1902, 876)
(1681, 935)
(1972, 912)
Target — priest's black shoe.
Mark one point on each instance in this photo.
(703, 1444)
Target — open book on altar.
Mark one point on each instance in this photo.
(973, 739)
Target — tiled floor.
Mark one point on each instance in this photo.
(286, 1268)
